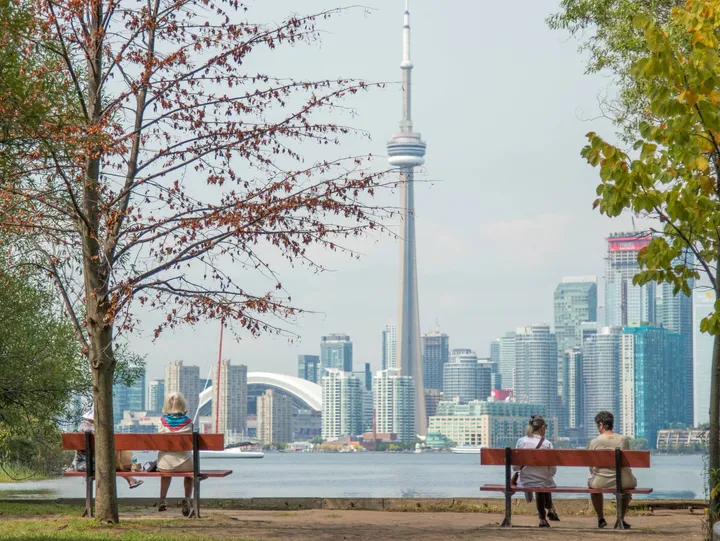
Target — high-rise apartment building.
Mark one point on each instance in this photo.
(336, 351)
(395, 404)
(703, 343)
(128, 397)
(536, 367)
(507, 361)
(433, 397)
(495, 351)
(651, 378)
(601, 376)
(156, 396)
(309, 368)
(186, 380)
(435, 353)
(573, 388)
(575, 303)
(365, 376)
(677, 318)
(230, 409)
(389, 346)
(626, 303)
(274, 417)
(342, 413)
(465, 379)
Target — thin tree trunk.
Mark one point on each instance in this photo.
(103, 363)
(714, 436)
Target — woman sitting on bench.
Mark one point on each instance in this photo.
(175, 421)
(537, 476)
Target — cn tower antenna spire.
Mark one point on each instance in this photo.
(406, 151)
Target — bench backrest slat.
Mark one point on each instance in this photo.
(565, 457)
(75, 441)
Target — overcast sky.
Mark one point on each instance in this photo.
(503, 104)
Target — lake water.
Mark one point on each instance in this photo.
(380, 475)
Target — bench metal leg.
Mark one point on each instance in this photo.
(619, 500)
(196, 475)
(508, 489)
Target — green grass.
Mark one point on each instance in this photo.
(18, 474)
(24, 509)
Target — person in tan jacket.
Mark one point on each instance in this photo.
(175, 421)
(605, 478)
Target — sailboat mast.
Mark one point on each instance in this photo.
(217, 380)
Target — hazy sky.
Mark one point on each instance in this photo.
(503, 104)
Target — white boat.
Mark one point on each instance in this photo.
(232, 453)
(467, 449)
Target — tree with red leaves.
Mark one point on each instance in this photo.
(168, 163)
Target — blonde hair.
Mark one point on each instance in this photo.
(535, 425)
(175, 403)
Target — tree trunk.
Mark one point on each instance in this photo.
(103, 369)
(714, 436)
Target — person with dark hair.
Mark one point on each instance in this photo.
(537, 476)
(605, 478)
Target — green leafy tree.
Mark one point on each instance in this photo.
(671, 174)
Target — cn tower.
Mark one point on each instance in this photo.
(406, 151)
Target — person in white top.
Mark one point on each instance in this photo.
(538, 476)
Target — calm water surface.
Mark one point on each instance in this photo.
(380, 475)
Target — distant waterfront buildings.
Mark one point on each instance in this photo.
(365, 376)
(490, 424)
(156, 395)
(230, 410)
(433, 397)
(575, 302)
(436, 354)
(677, 318)
(128, 397)
(507, 360)
(395, 404)
(274, 417)
(495, 351)
(626, 303)
(703, 343)
(573, 391)
(465, 378)
(186, 380)
(601, 376)
(336, 351)
(536, 367)
(309, 368)
(342, 413)
(389, 346)
(651, 378)
(306, 424)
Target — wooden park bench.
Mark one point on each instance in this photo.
(564, 457)
(84, 441)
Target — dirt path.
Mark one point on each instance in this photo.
(320, 525)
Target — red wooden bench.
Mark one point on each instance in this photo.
(564, 457)
(84, 441)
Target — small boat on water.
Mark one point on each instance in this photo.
(466, 449)
(232, 453)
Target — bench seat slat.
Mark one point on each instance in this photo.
(206, 473)
(565, 490)
(75, 441)
(565, 457)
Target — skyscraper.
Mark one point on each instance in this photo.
(652, 379)
(677, 317)
(128, 397)
(436, 352)
(185, 380)
(573, 388)
(394, 396)
(465, 379)
(575, 303)
(601, 376)
(389, 346)
(342, 413)
(703, 343)
(274, 417)
(626, 303)
(336, 351)
(507, 361)
(156, 396)
(230, 409)
(406, 151)
(365, 376)
(536, 366)
(495, 351)
(309, 368)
